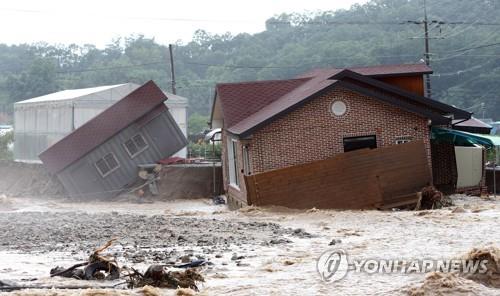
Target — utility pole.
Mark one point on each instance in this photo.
(172, 68)
(427, 53)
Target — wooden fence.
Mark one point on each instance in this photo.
(360, 179)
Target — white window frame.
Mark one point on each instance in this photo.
(133, 141)
(403, 140)
(232, 161)
(246, 160)
(104, 175)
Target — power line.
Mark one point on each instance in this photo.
(463, 71)
(477, 47)
(227, 66)
(463, 51)
(108, 68)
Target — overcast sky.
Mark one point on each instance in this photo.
(99, 21)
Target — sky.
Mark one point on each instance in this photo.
(100, 21)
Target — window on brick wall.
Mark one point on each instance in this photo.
(402, 140)
(355, 143)
(232, 158)
(246, 161)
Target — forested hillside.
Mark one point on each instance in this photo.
(465, 54)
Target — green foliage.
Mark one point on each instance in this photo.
(204, 150)
(197, 123)
(38, 80)
(290, 45)
(5, 141)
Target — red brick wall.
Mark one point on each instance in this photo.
(312, 132)
(444, 168)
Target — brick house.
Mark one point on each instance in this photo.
(274, 124)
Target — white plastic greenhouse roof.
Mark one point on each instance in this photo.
(72, 94)
(175, 99)
(69, 94)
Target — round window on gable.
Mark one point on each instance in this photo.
(339, 108)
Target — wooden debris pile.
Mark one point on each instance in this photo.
(99, 267)
(96, 268)
(433, 199)
(158, 276)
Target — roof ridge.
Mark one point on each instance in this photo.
(262, 81)
(383, 65)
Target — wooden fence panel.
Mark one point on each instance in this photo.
(354, 180)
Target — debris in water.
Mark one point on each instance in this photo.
(195, 263)
(433, 199)
(157, 276)
(93, 268)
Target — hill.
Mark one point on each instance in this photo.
(464, 54)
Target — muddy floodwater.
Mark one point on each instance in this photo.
(252, 251)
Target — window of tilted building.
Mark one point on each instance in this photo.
(135, 145)
(107, 164)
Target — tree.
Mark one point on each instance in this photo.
(40, 79)
(197, 123)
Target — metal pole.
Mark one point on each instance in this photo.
(495, 172)
(73, 116)
(213, 168)
(172, 68)
(427, 54)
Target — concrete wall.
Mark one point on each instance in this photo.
(189, 181)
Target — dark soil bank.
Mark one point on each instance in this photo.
(138, 235)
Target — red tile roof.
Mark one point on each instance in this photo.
(102, 127)
(241, 100)
(292, 98)
(246, 106)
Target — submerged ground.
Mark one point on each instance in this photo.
(254, 251)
